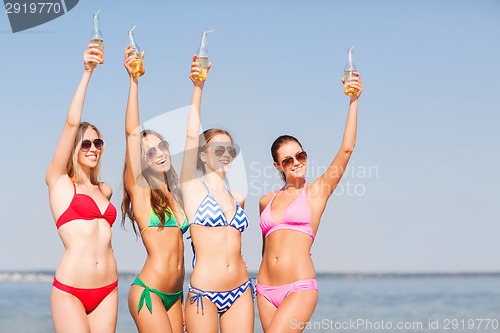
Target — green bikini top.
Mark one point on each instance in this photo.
(170, 221)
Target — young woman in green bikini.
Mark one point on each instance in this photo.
(153, 202)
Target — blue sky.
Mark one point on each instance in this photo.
(421, 193)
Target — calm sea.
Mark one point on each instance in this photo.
(347, 303)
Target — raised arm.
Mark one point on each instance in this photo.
(188, 171)
(57, 166)
(132, 129)
(326, 184)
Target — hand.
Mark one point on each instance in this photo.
(196, 71)
(355, 82)
(92, 57)
(130, 55)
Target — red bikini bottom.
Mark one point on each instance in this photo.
(91, 297)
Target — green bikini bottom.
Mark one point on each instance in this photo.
(167, 299)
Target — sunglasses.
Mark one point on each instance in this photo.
(162, 146)
(301, 157)
(87, 144)
(221, 150)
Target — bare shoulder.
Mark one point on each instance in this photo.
(264, 200)
(317, 188)
(56, 183)
(193, 193)
(312, 187)
(61, 193)
(106, 190)
(194, 185)
(60, 189)
(239, 197)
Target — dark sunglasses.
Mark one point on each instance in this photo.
(162, 146)
(87, 144)
(301, 157)
(231, 150)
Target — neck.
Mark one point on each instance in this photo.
(295, 183)
(159, 181)
(215, 180)
(85, 177)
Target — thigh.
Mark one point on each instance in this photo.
(176, 316)
(205, 321)
(68, 313)
(103, 318)
(155, 321)
(294, 312)
(240, 316)
(266, 311)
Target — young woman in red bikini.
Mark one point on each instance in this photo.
(84, 294)
(286, 289)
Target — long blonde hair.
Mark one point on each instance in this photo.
(73, 167)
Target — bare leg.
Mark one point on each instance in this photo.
(240, 316)
(145, 321)
(266, 311)
(103, 318)
(68, 313)
(294, 312)
(176, 316)
(198, 321)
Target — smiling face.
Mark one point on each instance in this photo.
(89, 159)
(291, 161)
(218, 154)
(156, 153)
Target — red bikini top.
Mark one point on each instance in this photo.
(83, 207)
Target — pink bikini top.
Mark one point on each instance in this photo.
(297, 216)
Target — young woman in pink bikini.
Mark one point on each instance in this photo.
(286, 289)
(84, 294)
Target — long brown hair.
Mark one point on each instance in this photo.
(204, 140)
(73, 167)
(160, 203)
(280, 141)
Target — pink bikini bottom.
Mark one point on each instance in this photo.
(276, 294)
